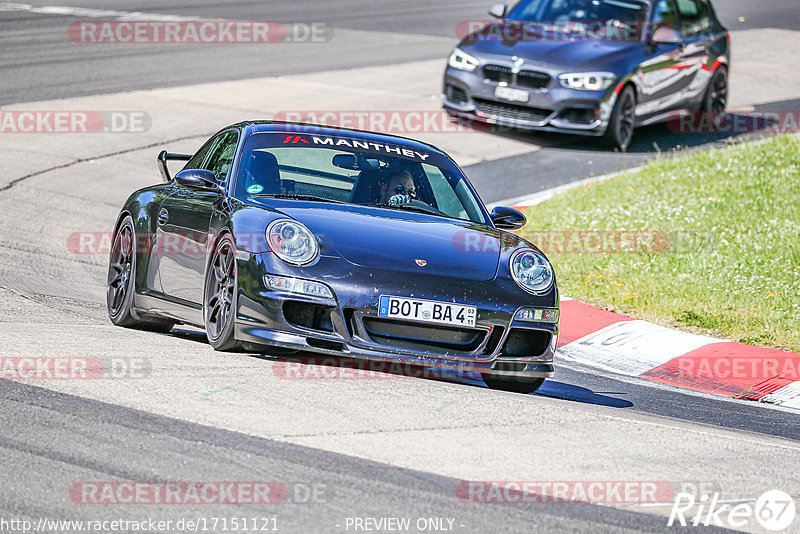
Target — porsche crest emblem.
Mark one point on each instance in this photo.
(421, 263)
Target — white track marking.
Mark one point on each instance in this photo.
(81, 12)
(632, 347)
(787, 396)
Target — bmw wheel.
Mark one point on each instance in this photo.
(120, 285)
(512, 383)
(620, 127)
(219, 308)
(716, 98)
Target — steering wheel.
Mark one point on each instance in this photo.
(422, 205)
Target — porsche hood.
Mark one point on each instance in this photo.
(406, 242)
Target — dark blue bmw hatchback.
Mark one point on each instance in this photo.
(592, 67)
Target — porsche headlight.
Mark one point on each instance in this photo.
(292, 242)
(531, 271)
(462, 61)
(587, 81)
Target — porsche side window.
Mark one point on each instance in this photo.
(197, 160)
(222, 155)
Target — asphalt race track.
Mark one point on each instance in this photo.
(344, 448)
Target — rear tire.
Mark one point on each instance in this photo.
(513, 384)
(219, 297)
(121, 282)
(715, 100)
(619, 133)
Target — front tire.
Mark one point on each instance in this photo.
(620, 127)
(219, 300)
(121, 284)
(513, 384)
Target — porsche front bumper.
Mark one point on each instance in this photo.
(349, 325)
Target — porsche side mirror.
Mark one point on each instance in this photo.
(498, 11)
(507, 218)
(666, 35)
(200, 179)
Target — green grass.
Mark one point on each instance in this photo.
(717, 247)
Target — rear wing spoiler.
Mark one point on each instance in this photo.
(164, 157)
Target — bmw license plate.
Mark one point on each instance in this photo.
(511, 94)
(428, 311)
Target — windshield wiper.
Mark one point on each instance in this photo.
(298, 197)
(406, 207)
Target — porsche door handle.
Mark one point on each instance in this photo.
(163, 216)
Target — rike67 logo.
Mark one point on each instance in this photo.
(774, 510)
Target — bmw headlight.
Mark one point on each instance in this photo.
(531, 271)
(588, 81)
(462, 61)
(292, 242)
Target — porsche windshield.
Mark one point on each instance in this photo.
(356, 171)
(579, 16)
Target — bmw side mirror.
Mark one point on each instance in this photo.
(507, 218)
(201, 179)
(498, 11)
(666, 35)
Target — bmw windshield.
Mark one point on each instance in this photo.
(598, 17)
(353, 170)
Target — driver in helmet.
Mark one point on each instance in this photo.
(398, 189)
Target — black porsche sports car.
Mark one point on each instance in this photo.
(279, 236)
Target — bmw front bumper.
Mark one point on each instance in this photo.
(471, 97)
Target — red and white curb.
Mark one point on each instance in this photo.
(615, 342)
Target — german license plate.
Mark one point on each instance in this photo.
(428, 311)
(511, 94)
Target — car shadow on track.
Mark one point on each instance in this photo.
(311, 366)
(189, 335)
(560, 390)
